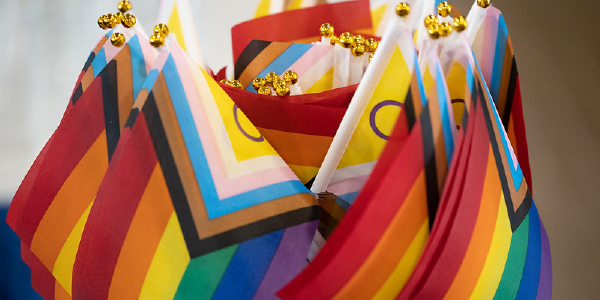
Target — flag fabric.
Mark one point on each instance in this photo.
(377, 244)
(370, 118)
(488, 240)
(492, 46)
(198, 202)
(269, 7)
(176, 14)
(50, 207)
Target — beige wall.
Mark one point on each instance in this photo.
(556, 44)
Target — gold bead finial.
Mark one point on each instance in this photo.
(358, 39)
(445, 29)
(444, 9)
(157, 40)
(402, 9)
(128, 20)
(484, 3)
(270, 77)
(371, 56)
(278, 82)
(345, 40)
(290, 77)
(371, 45)
(434, 31)
(117, 39)
(358, 49)
(264, 90)
(225, 82)
(460, 23)
(332, 40)
(326, 30)
(119, 17)
(110, 21)
(161, 29)
(101, 22)
(258, 82)
(237, 84)
(430, 20)
(282, 90)
(124, 6)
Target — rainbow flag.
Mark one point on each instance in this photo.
(378, 243)
(197, 204)
(50, 207)
(493, 50)
(488, 240)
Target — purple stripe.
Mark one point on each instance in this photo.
(289, 259)
(545, 286)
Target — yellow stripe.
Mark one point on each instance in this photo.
(377, 15)
(325, 83)
(168, 265)
(262, 9)
(296, 4)
(304, 173)
(394, 284)
(63, 268)
(494, 264)
(174, 25)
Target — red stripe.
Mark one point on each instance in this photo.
(42, 280)
(278, 114)
(76, 133)
(362, 227)
(112, 213)
(520, 135)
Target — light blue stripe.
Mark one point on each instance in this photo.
(348, 198)
(99, 62)
(501, 40)
(284, 61)
(215, 207)
(138, 65)
(417, 72)
(447, 127)
(150, 79)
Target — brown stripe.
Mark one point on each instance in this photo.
(87, 78)
(100, 44)
(124, 85)
(205, 227)
(261, 61)
(297, 148)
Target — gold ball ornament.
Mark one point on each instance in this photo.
(358, 49)
(161, 29)
(434, 31)
(345, 40)
(371, 45)
(278, 82)
(358, 39)
(117, 39)
(402, 9)
(157, 40)
(129, 20)
(258, 82)
(101, 22)
(110, 21)
(484, 3)
(430, 20)
(326, 30)
(332, 40)
(282, 90)
(237, 84)
(264, 90)
(371, 56)
(445, 29)
(119, 17)
(270, 77)
(460, 23)
(444, 9)
(290, 77)
(124, 6)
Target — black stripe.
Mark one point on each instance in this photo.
(516, 218)
(89, 60)
(132, 117)
(77, 94)
(248, 55)
(110, 100)
(431, 178)
(510, 96)
(409, 107)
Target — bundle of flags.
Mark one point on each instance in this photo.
(388, 161)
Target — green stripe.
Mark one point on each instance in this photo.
(513, 270)
(204, 273)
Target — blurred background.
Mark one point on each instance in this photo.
(47, 42)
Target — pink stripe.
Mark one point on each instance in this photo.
(349, 185)
(310, 58)
(490, 31)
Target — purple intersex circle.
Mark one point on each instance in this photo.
(237, 122)
(374, 113)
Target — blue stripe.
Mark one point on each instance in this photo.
(347, 199)
(248, 267)
(138, 65)
(99, 62)
(531, 273)
(284, 61)
(417, 72)
(215, 206)
(150, 79)
(447, 127)
(501, 40)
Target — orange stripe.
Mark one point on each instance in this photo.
(261, 61)
(145, 232)
(478, 249)
(297, 148)
(125, 85)
(87, 78)
(391, 247)
(70, 203)
(60, 293)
